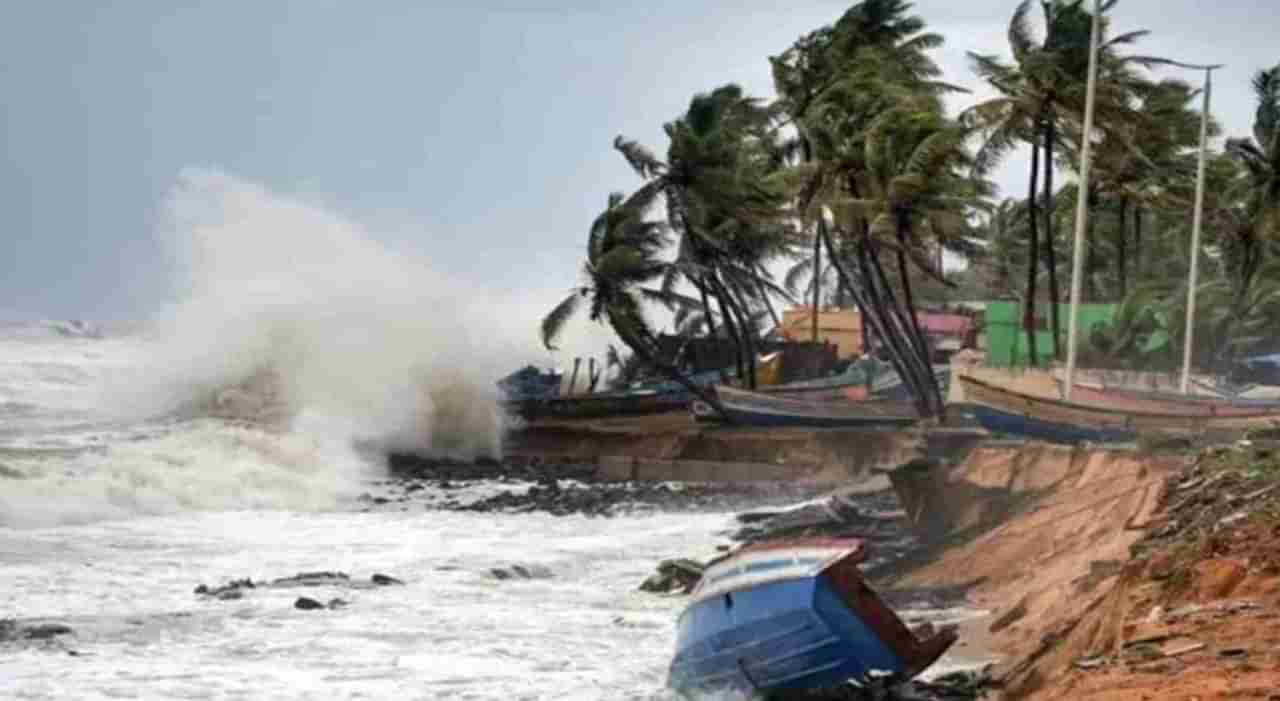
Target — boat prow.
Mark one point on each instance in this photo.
(793, 615)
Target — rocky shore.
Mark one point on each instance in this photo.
(563, 488)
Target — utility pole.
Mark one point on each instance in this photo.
(1193, 279)
(1082, 199)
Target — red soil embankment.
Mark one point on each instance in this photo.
(1041, 532)
(1193, 614)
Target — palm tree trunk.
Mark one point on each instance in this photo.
(645, 353)
(1122, 248)
(1033, 255)
(731, 329)
(706, 307)
(908, 297)
(919, 371)
(1050, 218)
(1137, 243)
(871, 309)
(764, 295)
(817, 273)
(738, 306)
(923, 350)
(573, 379)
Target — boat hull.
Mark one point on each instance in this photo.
(1006, 411)
(787, 617)
(1163, 402)
(1004, 422)
(764, 410)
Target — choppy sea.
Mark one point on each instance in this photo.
(110, 519)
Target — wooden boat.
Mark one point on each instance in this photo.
(595, 406)
(1169, 402)
(757, 409)
(792, 615)
(890, 386)
(1004, 411)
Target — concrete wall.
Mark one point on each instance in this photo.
(733, 455)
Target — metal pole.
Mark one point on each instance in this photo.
(1082, 200)
(1195, 234)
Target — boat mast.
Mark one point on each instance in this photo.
(1082, 200)
(1195, 226)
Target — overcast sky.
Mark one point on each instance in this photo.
(476, 133)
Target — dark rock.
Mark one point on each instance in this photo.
(11, 630)
(307, 604)
(312, 579)
(227, 592)
(680, 575)
(521, 572)
(384, 580)
(45, 631)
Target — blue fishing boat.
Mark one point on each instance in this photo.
(791, 615)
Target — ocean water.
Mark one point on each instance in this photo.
(121, 491)
(108, 526)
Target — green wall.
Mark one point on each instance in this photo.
(1007, 342)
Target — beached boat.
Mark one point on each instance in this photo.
(745, 408)
(792, 615)
(1004, 411)
(1169, 402)
(891, 386)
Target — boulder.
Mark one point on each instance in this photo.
(307, 604)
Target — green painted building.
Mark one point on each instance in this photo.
(1007, 342)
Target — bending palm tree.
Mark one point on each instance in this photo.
(622, 256)
(1039, 94)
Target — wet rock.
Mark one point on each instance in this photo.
(12, 630)
(673, 576)
(305, 603)
(227, 592)
(44, 631)
(563, 488)
(384, 580)
(312, 579)
(869, 517)
(521, 572)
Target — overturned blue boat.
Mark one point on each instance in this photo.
(790, 615)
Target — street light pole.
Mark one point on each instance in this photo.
(1193, 279)
(1082, 199)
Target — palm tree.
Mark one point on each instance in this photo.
(623, 256)
(1254, 217)
(1039, 94)
(833, 84)
(1004, 235)
(723, 196)
(822, 62)
(916, 195)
